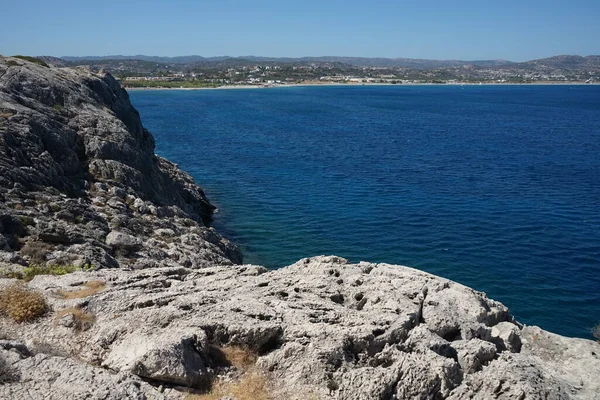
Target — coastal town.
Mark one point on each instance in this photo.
(259, 72)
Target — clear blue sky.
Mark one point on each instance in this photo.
(438, 29)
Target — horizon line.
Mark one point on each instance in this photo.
(322, 56)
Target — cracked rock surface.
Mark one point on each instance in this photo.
(322, 327)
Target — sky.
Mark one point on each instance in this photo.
(432, 29)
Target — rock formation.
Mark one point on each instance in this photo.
(165, 296)
(80, 183)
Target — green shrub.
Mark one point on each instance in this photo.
(26, 220)
(58, 107)
(22, 304)
(33, 270)
(34, 60)
(10, 273)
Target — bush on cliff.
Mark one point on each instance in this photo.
(22, 304)
(33, 270)
(34, 60)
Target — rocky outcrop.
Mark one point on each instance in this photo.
(80, 183)
(322, 327)
(43, 376)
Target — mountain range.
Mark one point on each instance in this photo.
(560, 61)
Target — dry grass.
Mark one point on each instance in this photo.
(253, 385)
(91, 288)
(37, 252)
(22, 304)
(241, 358)
(83, 320)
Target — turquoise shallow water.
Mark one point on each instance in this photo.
(496, 187)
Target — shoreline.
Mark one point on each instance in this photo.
(331, 84)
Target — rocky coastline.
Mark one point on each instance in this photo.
(138, 297)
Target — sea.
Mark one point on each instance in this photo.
(493, 186)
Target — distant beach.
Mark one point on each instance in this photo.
(333, 84)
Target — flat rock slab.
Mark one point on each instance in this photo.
(321, 326)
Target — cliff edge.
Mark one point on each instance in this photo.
(80, 183)
(165, 312)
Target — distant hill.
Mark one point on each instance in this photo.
(387, 62)
(157, 59)
(568, 62)
(55, 61)
(354, 61)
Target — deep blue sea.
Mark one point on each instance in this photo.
(496, 187)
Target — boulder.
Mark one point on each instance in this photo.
(123, 241)
(172, 356)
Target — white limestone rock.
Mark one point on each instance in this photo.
(323, 327)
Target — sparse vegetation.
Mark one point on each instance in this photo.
(36, 251)
(90, 288)
(10, 273)
(33, 270)
(6, 114)
(22, 304)
(82, 320)
(58, 107)
(253, 385)
(239, 357)
(34, 60)
(27, 220)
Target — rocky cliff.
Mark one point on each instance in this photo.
(179, 320)
(80, 183)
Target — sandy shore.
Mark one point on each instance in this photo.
(304, 84)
